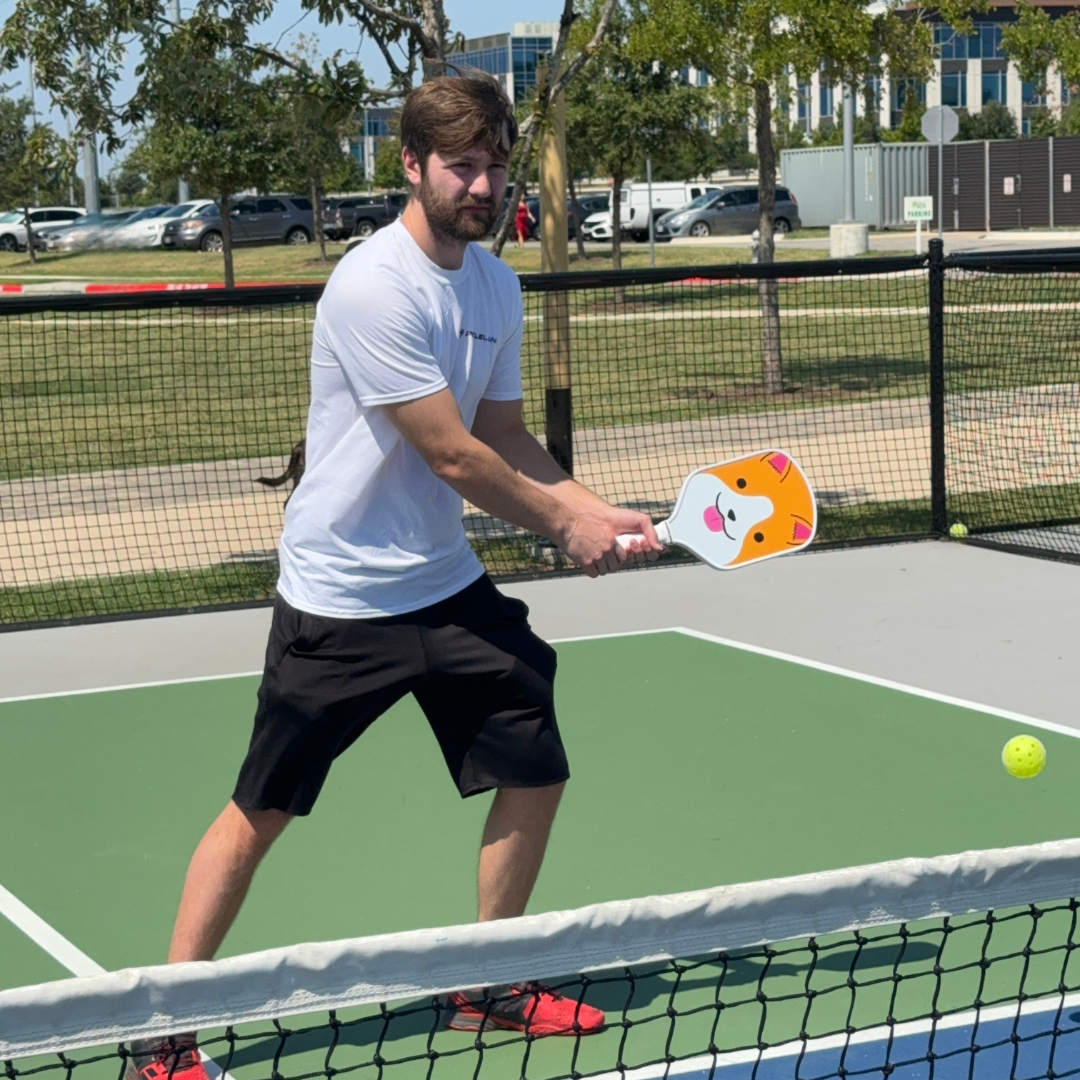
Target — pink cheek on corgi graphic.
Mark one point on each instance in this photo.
(714, 521)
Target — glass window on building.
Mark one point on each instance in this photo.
(900, 91)
(529, 52)
(803, 92)
(954, 89)
(1066, 91)
(950, 45)
(494, 61)
(994, 87)
(872, 95)
(1029, 95)
(989, 35)
(825, 101)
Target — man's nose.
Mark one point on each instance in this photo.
(480, 188)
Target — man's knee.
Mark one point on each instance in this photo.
(252, 830)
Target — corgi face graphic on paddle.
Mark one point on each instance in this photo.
(742, 511)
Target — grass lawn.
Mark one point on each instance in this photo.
(283, 263)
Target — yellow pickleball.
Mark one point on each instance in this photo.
(1024, 757)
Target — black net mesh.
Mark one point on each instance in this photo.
(1012, 348)
(137, 429)
(977, 996)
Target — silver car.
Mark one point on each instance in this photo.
(86, 232)
(733, 211)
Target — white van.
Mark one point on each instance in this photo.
(634, 208)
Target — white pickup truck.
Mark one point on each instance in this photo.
(634, 208)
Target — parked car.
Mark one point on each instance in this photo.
(86, 232)
(152, 228)
(587, 205)
(634, 208)
(733, 210)
(361, 215)
(138, 231)
(262, 219)
(13, 228)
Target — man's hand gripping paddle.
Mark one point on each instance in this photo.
(741, 511)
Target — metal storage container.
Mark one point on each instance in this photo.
(884, 174)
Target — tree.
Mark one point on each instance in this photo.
(910, 127)
(314, 122)
(752, 47)
(389, 171)
(215, 122)
(995, 121)
(79, 47)
(1036, 42)
(626, 110)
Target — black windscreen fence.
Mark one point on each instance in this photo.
(150, 442)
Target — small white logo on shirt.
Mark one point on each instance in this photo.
(479, 337)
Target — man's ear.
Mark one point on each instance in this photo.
(411, 163)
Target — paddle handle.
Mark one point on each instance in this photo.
(663, 534)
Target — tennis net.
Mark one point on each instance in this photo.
(955, 966)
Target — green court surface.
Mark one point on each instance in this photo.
(694, 764)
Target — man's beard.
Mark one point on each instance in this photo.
(452, 219)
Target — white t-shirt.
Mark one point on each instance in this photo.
(371, 530)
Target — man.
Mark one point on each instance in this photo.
(415, 405)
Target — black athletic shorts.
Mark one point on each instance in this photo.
(482, 677)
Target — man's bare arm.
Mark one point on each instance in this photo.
(540, 498)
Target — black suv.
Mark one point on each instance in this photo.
(361, 215)
(262, 219)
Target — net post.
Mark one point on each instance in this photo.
(937, 387)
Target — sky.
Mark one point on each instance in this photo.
(473, 18)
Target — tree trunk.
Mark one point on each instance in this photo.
(316, 214)
(29, 235)
(576, 210)
(616, 219)
(768, 290)
(502, 231)
(226, 240)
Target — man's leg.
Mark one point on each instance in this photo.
(512, 849)
(218, 877)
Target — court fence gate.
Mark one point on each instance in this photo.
(151, 441)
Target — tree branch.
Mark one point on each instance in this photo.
(552, 87)
(365, 21)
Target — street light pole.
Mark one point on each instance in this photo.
(183, 189)
(849, 153)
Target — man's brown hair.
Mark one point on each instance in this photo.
(449, 115)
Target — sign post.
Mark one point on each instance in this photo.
(918, 208)
(940, 125)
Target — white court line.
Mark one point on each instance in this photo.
(874, 680)
(70, 956)
(252, 674)
(128, 686)
(817, 665)
(882, 1033)
(46, 937)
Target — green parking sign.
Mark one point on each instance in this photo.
(918, 207)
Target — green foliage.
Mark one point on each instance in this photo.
(1043, 123)
(625, 108)
(1035, 41)
(389, 172)
(910, 127)
(1069, 124)
(994, 122)
(35, 163)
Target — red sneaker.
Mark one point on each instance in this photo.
(170, 1057)
(530, 1007)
